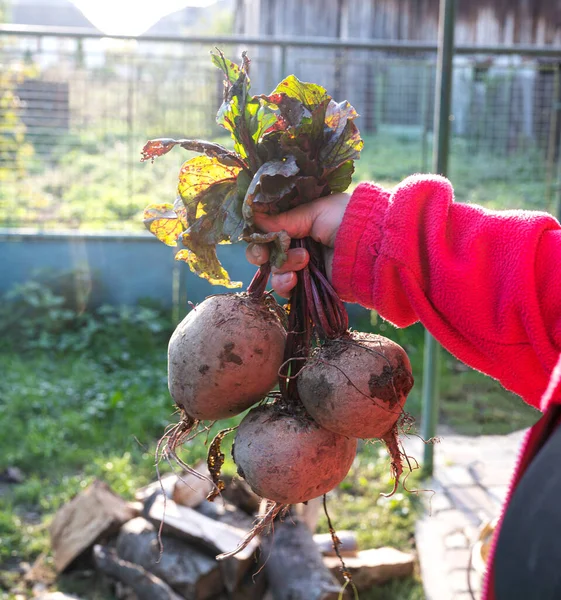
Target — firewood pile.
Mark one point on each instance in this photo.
(164, 546)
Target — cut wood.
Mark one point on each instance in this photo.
(164, 486)
(348, 547)
(226, 513)
(253, 587)
(95, 512)
(241, 495)
(146, 585)
(192, 574)
(374, 566)
(208, 534)
(294, 565)
(309, 512)
(189, 490)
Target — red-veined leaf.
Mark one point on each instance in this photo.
(162, 221)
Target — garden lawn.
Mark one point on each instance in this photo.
(65, 421)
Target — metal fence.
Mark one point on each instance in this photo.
(76, 108)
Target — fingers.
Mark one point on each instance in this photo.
(257, 254)
(297, 258)
(296, 222)
(284, 278)
(283, 283)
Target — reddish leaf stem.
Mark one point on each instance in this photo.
(259, 282)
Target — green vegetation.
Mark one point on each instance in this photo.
(92, 182)
(97, 402)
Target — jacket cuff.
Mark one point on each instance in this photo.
(357, 243)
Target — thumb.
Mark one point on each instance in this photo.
(296, 222)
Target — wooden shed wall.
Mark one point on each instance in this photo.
(478, 21)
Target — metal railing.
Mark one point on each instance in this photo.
(77, 107)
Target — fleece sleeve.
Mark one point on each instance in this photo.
(486, 284)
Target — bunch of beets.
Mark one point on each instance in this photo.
(315, 387)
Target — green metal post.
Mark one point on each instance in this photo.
(442, 118)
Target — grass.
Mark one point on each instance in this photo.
(68, 420)
(100, 184)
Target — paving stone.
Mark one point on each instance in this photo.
(471, 480)
(455, 520)
(454, 475)
(475, 500)
(437, 502)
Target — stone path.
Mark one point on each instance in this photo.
(471, 478)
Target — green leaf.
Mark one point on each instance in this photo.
(230, 69)
(259, 117)
(309, 94)
(337, 115)
(291, 111)
(209, 203)
(272, 182)
(340, 178)
(220, 215)
(309, 188)
(163, 222)
(339, 148)
(203, 261)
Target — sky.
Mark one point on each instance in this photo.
(131, 17)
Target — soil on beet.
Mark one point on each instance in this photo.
(391, 383)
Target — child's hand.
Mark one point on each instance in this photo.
(319, 219)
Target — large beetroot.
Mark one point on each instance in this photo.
(290, 459)
(356, 385)
(225, 356)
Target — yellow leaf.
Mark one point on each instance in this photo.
(162, 221)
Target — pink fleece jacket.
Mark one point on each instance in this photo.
(486, 284)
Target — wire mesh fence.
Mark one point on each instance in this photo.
(75, 113)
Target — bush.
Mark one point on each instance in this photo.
(57, 313)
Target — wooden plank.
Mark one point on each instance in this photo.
(295, 566)
(191, 573)
(208, 534)
(93, 513)
(374, 566)
(145, 585)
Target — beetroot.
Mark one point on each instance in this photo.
(356, 385)
(225, 356)
(290, 459)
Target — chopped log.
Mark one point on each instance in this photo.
(253, 587)
(348, 547)
(189, 490)
(226, 513)
(93, 513)
(295, 566)
(241, 495)
(146, 585)
(208, 534)
(192, 574)
(309, 512)
(184, 488)
(165, 485)
(374, 566)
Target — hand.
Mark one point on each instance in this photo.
(319, 219)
